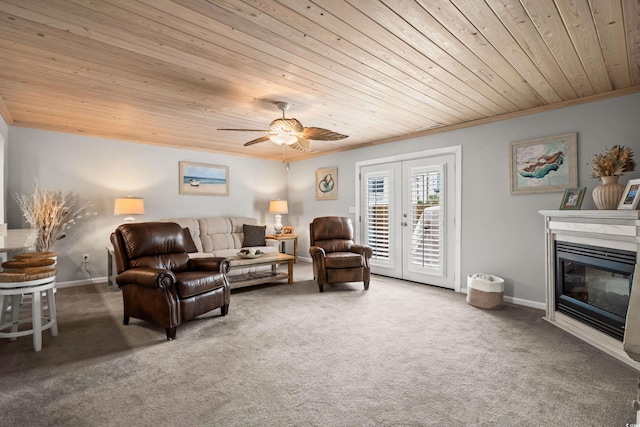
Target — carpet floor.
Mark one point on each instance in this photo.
(400, 354)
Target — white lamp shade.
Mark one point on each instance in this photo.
(128, 206)
(278, 207)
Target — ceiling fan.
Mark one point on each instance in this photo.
(290, 132)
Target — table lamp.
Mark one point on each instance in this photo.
(278, 207)
(129, 206)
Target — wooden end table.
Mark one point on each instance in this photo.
(283, 238)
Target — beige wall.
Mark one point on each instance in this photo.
(100, 170)
(502, 233)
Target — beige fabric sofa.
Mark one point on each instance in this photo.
(222, 237)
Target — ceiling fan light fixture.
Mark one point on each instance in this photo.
(283, 138)
(290, 132)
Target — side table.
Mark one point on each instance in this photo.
(283, 238)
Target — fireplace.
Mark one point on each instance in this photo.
(593, 285)
(590, 259)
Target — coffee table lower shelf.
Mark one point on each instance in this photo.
(256, 278)
(263, 276)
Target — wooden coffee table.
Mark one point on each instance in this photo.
(259, 277)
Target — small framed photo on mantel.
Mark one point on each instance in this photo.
(631, 195)
(572, 199)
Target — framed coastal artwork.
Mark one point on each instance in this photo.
(327, 184)
(203, 179)
(544, 165)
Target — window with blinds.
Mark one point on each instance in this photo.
(377, 221)
(426, 218)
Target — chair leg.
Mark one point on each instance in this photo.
(36, 320)
(321, 288)
(15, 313)
(366, 286)
(171, 333)
(51, 305)
(224, 310)
(125, 320)
(6, 314)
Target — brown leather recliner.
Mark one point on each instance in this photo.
(159, 282)
(336, 258)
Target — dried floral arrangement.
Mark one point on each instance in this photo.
(52, 213)
(613, 161)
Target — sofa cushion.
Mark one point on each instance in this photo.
(188, 241)
(254, 235)
(218, 233)
(222, 233)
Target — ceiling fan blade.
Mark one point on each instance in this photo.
(302, 144)
(247, 130)
(320, 134)
(257, 140)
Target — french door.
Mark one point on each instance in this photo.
(408, 212)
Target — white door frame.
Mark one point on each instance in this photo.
(456, 150)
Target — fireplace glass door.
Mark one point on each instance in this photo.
(593, 285)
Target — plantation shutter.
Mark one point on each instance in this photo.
(426, 217)
(377, 224)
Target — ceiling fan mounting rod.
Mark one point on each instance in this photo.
(284, 106)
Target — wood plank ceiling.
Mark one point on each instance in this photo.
(173, 72)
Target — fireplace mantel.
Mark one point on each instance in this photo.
(615, 229)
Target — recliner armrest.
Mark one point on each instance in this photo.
(364, 250)
(219, 264)
(317, 252)
(147, 277)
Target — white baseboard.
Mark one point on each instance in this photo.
(81, 282)
(519, 301)
(526, 303)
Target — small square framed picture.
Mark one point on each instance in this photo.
(287, 230)
(572, 198)
(630, 196)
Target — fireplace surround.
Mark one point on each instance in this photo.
(591, 258)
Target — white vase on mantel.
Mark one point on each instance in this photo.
(607, 195)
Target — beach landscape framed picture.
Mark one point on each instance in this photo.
(327, 184)
(203, 179)
(544, 165)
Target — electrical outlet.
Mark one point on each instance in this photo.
(85, 258)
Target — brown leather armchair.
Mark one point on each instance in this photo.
(336, 258)
(159, 282)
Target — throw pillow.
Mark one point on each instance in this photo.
(254, 235)
(188, 241)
